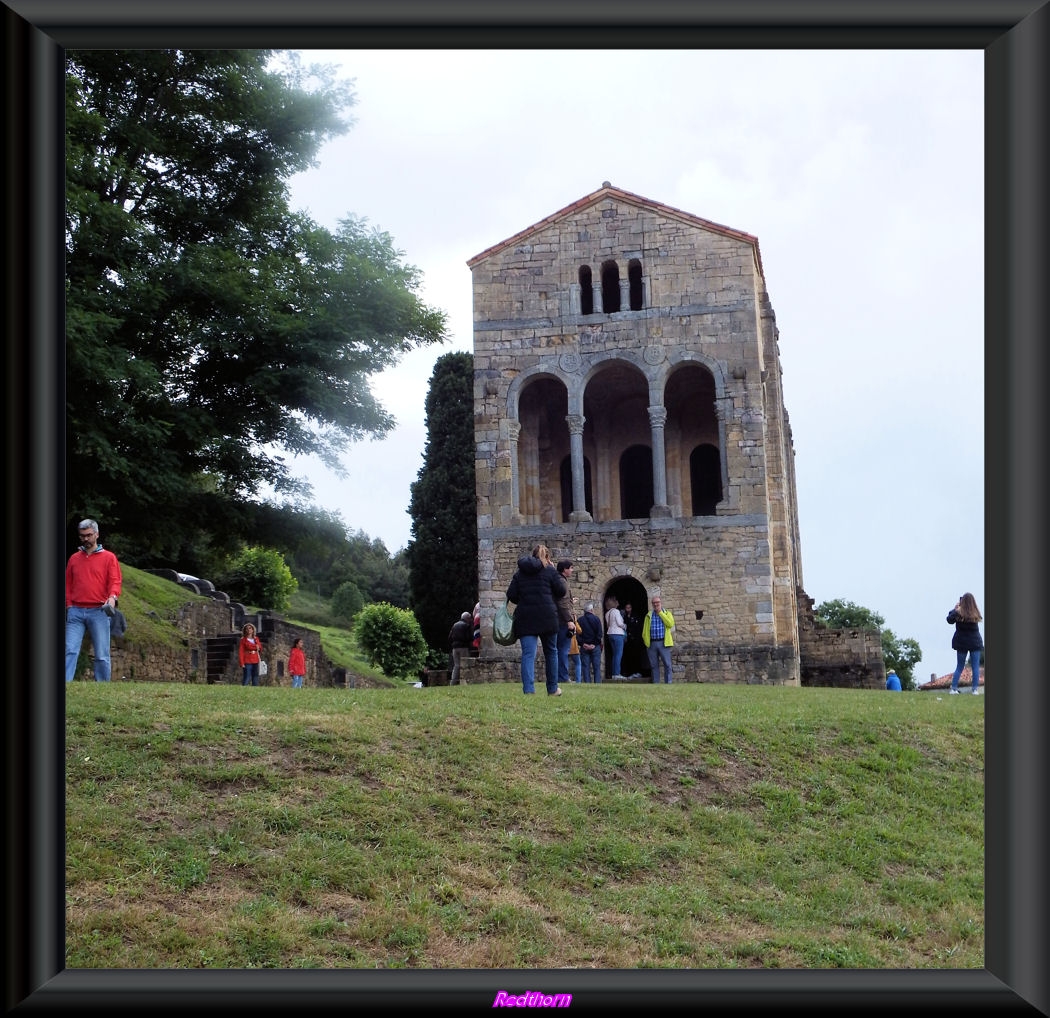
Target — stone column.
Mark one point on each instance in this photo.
(597, 302)
(513, 433)
(579, 512)
(625, 294)
(657, 420)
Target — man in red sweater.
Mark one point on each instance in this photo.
(92, 587)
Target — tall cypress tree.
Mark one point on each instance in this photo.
(443, 552)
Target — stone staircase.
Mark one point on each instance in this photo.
(221, 657)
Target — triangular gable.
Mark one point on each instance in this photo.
(608, 191)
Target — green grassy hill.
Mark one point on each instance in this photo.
(685, 826)
(150, 603)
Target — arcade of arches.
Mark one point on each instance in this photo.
(620, 430)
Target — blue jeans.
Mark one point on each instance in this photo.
(564, 642)
(592, 664)
(297, 682)
(96, 623)
(975, 667)
(528, 661)
(575, 667)
(251, 675)
(616, 643)
(657, 653)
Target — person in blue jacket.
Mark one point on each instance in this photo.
(892, 681)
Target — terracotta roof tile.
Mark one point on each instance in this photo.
(945, 681)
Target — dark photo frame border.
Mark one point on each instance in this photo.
(1015, 38)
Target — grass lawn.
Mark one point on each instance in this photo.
(616, 827)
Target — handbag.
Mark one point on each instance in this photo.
(503, 626)
(262, 668)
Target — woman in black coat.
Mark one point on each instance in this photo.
(535, 589)
(967, 640)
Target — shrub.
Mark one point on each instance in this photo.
(260, 576)
(391, 638)
(347, 601)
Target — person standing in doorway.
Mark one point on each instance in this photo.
(93, 581)
(535, 589)
(635, 660)
(297, 663)
(656, 635)
(249, 655)
(966, 641)
(460, 637)
(616, 631)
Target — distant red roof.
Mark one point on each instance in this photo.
(945, 681)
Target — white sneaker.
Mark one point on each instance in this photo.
(976, 692)
(953, 692)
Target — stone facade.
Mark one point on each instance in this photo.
(629, 414)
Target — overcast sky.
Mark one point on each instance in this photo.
(860, 173)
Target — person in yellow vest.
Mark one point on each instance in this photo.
(657, 630)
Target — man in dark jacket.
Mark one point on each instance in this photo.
(590, 641)
(535, 589)
(460, 637)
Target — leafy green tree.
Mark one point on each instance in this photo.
(391, 638)
(211, 331)
(443, 554)
(839, 614)
(259, 576)
(347, 601)
(365, 561)
(902, 655)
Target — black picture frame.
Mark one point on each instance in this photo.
(1014, 36)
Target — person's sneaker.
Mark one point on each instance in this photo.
(976, 692)
(953, 692)
(556, 692)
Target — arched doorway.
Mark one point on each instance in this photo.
(626, 589)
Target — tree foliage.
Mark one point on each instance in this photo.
(211, 330)
(901, 655)
(259, 576)
(391, 638)
(443, 554)
(347, 601)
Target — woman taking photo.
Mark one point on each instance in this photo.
(967, 640)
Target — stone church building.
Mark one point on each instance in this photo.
(630, 414)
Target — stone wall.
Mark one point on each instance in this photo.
(185, 658)
(844, 658)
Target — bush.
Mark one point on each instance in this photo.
(391, 638)
(347, 601)
(259, 576)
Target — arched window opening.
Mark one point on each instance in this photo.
(634, 278)
(566, 487)
(610, 288)
(705, 478)
(636, 482)
(586, 291)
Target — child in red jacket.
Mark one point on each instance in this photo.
(297, 663)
